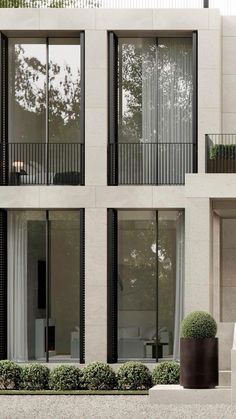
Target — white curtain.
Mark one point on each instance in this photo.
(174, 103)
(149, 110)
(17, 286)
(179, 293)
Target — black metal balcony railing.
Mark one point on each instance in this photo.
(150, 163)
(221, 153)
(42, 164)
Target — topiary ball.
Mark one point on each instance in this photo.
(9, 375)
(134, 376)
(34, 377)
(166, 372)
(65, 377)
(198, 325)
(98, 376)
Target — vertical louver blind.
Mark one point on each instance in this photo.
(3, 284)
(113, 107)
(112, 287)
(3, 109)
(82, 286)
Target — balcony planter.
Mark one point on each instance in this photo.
(222, 158)
(199, 352)
(221, 165)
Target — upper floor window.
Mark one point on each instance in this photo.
(153, 142)
(45, 111)
(44, 89)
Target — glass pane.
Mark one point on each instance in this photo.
(137, 90)
(27, 90)
(64, 317)
(175, 90)
(137, 284)
(26, 285)
(155, 93)
(64, 90)
(170, 279)
(174, 104)
(27, 110)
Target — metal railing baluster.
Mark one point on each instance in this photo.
(144, 163)
(42, 164)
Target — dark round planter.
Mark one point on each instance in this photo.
(199, 363)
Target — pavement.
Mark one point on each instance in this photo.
(96, 407)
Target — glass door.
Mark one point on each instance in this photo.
(45, 285)
(150, 271)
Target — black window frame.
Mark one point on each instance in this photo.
(4, 282)
(4, 177)
(112, 285)
(112, 152)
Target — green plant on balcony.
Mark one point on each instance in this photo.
(222, 152)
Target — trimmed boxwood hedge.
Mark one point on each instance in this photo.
(134, 376)
(98, 376)
(65, 377)
(198, 325)
(95, 377)
(166, 372)
(34, 377)
(10, 374)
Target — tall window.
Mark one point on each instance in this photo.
(45, 114)
(155, 85)
(45, 285)
(149, 284)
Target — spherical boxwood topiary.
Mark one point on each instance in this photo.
(65, 377)
(134, 376)
(198, 325)
(9, 375)
(166, 372)
(34, 377)
(99, 376)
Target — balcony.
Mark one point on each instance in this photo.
(42, 164)
(227, 7)
(150, 163)
(221, 153)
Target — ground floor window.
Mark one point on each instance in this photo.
(145, 286)
(45, 285)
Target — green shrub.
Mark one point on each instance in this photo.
(34, 377)
(166, 372)
(198, 325)
(9, 375)
(222, 151)
(134, 376)
(65, 377)
(98, 376)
